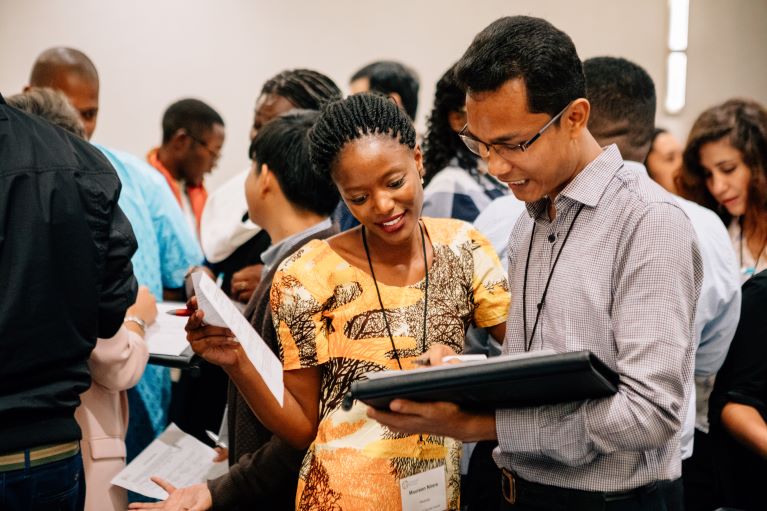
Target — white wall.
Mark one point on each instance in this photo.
(150, 53)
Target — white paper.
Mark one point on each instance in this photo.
(166, 336)
(426, 491)
(219, 311)
(175, 456)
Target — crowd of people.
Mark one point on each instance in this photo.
(541, 209)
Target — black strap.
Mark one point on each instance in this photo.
(529, 344)
(380, 302)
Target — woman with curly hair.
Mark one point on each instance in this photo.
(725, 169)
(456, 184)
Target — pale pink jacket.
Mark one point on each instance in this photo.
(116, 365)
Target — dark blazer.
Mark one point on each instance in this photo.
(264, 469)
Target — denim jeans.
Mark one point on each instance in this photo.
(57, 486)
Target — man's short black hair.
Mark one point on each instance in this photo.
(622, 97)
(531, 49)
(192, 115)
(387, 76)
(283, 146)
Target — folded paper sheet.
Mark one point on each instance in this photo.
(219, 311)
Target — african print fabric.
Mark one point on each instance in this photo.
(327, 314)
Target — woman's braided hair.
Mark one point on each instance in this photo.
(304, 88)
(352, 118)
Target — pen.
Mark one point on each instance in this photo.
(215, 439)
(179, 312)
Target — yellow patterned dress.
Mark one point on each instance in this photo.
(327, 314)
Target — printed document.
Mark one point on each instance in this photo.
(219, 311)
(175, 456)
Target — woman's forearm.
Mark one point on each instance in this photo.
(296, 421)
(746, 424)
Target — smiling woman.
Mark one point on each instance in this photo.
(374, 298)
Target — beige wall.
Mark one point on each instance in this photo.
(151, 53)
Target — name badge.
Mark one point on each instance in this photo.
(426, 491)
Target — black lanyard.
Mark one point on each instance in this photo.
(380, 302)
(540, 304)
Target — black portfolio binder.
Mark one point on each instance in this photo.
(499, 382)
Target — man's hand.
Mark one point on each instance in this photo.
(245, 282)
(441, 419)
(222, 454)
(215, 344)
(192, 498)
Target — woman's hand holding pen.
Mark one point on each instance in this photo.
(434, 355)
(215, 344)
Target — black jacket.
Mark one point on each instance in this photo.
(65, 275)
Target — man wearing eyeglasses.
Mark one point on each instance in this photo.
(603, 261)
(192, 138)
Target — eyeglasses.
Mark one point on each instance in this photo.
(505, 151)
(214, 154)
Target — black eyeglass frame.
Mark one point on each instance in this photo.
(475, 145)
(214, 154)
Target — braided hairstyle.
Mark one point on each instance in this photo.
(304, 88)
(352, 118)
(442, 144)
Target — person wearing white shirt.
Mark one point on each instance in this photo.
(622, 97)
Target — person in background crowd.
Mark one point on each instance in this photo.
(457, 183)
(725, 169)
(167, 247)
(622, 97)
(192, 138)
(392, 79)
(738, 411)
(579, 283)
(67, 284)
(231, 242)
(664, 161)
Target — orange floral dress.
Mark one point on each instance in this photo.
(327, 314)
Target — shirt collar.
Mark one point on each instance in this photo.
(635, 166)
(272, 254)
(588, 185)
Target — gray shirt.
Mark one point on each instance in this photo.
(276, 251)
(625, 288)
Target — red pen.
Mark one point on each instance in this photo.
(179, 312)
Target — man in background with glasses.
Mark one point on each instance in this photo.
(604, 260)
(192, 138)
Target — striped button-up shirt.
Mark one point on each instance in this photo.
(625, 288)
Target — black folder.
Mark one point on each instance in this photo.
(498, 382)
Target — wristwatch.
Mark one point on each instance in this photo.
(135, 319)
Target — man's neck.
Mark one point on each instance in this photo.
(590, 151)
(290, 222)
(164, 157)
